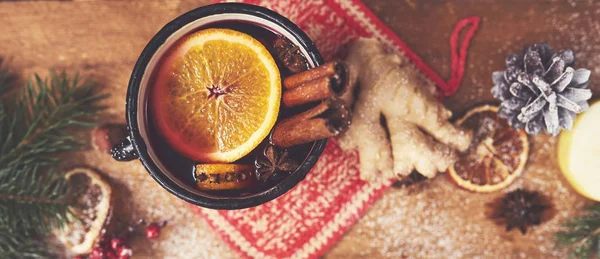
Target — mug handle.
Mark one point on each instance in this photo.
(124, 151)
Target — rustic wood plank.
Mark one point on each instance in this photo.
(102, 39)
(395, 226)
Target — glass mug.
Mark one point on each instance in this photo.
(140, 142)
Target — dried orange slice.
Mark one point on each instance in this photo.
(497, 155)
(91, 208)
(216, 95)
(220, 177)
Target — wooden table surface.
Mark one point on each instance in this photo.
(102, 40)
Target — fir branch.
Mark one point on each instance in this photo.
(582, 235)
(36, 125)
(17, 247)
(43, 118)
(32, 201)
(7, 79)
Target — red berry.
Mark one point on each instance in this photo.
(152, 231)
(97, 253)
(111, 255)
(117, 242)
(124, 252)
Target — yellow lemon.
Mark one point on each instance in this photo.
(579, 153)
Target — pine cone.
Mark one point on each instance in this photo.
(541, 90)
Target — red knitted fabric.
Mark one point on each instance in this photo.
(310, 218)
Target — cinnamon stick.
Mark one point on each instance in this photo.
(323, 82)
(329, 118)
(335, 69)
(308, 92)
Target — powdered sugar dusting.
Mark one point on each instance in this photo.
(137, 196)
(437, 219)
(430, 220)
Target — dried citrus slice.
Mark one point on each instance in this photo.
(90, 206)
(578, 153)
(497, 155)
(219, 177)
(216, 95)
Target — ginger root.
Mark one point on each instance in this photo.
(390, 87)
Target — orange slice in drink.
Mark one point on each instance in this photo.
(496, 156)
(219, 177)
(216, 95)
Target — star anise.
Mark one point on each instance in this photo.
(413, 178)
(520, 209)
(290, 55)
(275, 161)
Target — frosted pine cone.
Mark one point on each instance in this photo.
(541, 90)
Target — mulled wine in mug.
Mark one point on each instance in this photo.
(229, 106)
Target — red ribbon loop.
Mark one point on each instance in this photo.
(459, 53)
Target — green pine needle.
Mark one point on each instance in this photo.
(32, 201)
(582, 235)
(7, 79)
(20, 247)
(40, 122)
(36, 125)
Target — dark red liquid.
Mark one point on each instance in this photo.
(184, 168)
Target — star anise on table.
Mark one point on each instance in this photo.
(412, 179)
(520, 209)
(274, 161)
